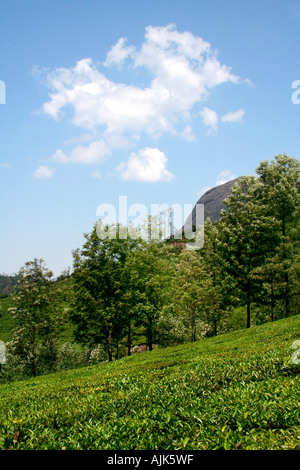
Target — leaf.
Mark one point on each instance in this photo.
(18, 421)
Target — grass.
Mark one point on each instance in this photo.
(239, 390)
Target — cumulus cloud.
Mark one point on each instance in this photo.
(118, 53)
(43, 172)
(93, 153)
(210, 118)
(183, 71)
(148, 164)
(60, 156)
(233, 116)
(188, 134)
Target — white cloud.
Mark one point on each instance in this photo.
(44, 172)
(148, 164)
(222, 178)
(81, 139)
(187, 134)
(93, 153)
(233, 116)
(210, 118)
(60, 156)
(184, 70)
(118, 53)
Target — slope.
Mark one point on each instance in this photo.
(238, 390)
(213, 201)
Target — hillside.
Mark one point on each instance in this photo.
(213, 201)
(239, 390)
(7, 284)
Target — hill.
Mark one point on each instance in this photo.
(240, 390)
(7, 284)
(213, 201)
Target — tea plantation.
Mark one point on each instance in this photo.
(240, 390)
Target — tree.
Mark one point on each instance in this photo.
(98, 286)
(244, 234)
(37, 320)
(221, 280)
(151, 272)
(196, 300)
(280, 197)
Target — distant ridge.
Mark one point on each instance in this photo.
(213, 201)
(8, 284)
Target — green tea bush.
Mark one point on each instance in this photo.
(240, 390)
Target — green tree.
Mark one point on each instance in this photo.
(98, 303)
(196, 300)
(151, 272)
(36, 316)
(280, 197)
(222, 282)
(244, 234)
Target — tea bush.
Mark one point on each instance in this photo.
(239, 390)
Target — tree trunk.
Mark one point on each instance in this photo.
(248, 303)
(248, 314)
(287, 295)
(129, 340)
(33, 367)
(272, 300)
(286, 276)
(109, 346)
(150, 334)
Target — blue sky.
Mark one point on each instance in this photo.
(156, 100)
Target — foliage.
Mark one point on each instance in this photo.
(238, 390)
(34, 340)
(98, 291)
(280, 196)
(195, 299)
(6, 319)
(129, 290)
(256, 240)
(149, 281)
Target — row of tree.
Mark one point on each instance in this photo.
(122, 289)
